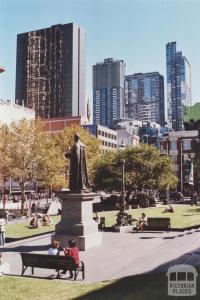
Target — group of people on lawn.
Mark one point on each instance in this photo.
(72, 251)
(40, 220)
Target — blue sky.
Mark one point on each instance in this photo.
(133, 30)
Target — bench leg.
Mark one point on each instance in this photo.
(83, 273)
(83, 270)
(32, 271)
(76, 274)
(58, 273)
(23, 270)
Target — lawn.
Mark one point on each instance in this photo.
(22, 230)
(184, 215)
(139, 287)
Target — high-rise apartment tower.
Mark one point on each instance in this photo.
(108, 91)
(178, 86)
(50, 72)
(144, 97)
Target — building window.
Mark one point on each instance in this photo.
(186, 144)
(99, 132)
(173, 145)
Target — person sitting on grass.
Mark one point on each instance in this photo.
(72, 251)
(141, 222)
(168, 210)
(54, 249)
(33, 222)
(46, 220)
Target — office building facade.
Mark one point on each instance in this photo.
(178, 145)
(107, 136)
(144, 97)
(50, 71)
(178, 86)
(108, 91)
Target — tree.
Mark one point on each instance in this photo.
(28, 154)
(4, 158)
(144, 168)
(52, 163)
(33, 155)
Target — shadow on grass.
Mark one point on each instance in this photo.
(191, 215)
(194, 210)
(151, 286)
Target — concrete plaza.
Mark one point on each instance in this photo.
(120, 255)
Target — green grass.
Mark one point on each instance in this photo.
(22, 230)
(184, 215)
(140, 287)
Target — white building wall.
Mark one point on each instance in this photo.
(12, 112)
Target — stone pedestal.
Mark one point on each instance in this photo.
(124, 229)
(77, 220)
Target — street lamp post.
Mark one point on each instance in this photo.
(122, 216)
(123, 187)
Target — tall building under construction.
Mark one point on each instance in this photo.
(50, 71)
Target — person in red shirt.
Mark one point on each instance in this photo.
(72, 251)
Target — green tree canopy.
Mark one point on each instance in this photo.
(144, 168)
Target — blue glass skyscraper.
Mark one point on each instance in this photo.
(144, 97)
(178, 86)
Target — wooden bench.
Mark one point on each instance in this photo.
(157, 224)
(56, 262)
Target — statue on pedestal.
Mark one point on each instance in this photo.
(78, 177)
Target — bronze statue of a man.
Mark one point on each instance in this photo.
(78, 178)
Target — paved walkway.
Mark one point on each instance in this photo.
(120, 255)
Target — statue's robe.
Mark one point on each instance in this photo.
(78, 169)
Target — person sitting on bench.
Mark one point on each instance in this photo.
(142, 222)
(54, 249)
(72, 251)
